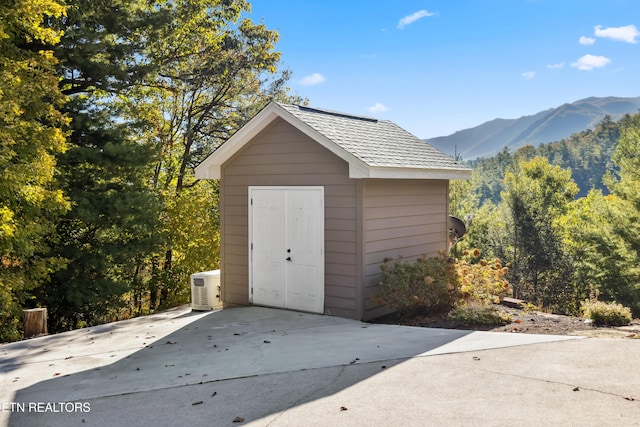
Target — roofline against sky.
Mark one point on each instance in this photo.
(211, 167)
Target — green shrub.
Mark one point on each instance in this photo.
(606, 313)
(479, 314)
(426, 285)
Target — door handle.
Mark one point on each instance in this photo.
(288, 258)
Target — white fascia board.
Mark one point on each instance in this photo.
(210, 168)
(414, 173)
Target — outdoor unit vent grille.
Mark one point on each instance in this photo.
(205, 290)
(200, 296)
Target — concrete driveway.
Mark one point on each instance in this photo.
(257, 366)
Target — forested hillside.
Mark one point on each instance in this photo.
(104, 112)
(543, 127)
(588, 154)
(563, 216)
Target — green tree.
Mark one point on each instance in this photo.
(112, 227)
(215, 70)
(537, 195)
(600, 231)
(626, 212)
(597, 254)
(32, 133)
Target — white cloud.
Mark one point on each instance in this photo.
(377, 108)
(587, 41)
(626, 34)
(555, 66)
(410, 19)
(529, 74)
(312, 79)
(589, 62)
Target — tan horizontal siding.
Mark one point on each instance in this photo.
(342, 269)
(283, 156)
(349, 313)
(401, 199)
(338, 303)
(256, 159)
(427, 248)
(395, 187)
(347, 201)
(403, 231)
(340, 235)
(321, 169)
(338, 280)
(428, 207)
(340, 224)
(401, 219)
(387, 223)
(340, 247)
(347, 292)
(380, 246)
(340, 258)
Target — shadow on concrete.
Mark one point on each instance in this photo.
(204, 369)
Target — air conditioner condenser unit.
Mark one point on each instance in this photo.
(205, 290)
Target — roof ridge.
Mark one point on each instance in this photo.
(334, 113)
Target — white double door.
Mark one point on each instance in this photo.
(286, 247)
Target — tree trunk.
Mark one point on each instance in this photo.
(153, 285)
(34, 322)
(164, 291)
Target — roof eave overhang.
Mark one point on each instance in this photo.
(410, 173)
(211, 167)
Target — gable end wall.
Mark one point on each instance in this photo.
(283, 156)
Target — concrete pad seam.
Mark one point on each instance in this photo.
(241, 377)
(563, 340)
(297, 329)
(309, 395)
(574, 387)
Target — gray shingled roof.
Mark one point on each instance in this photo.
(378, 143)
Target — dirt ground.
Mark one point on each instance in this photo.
(525, 322)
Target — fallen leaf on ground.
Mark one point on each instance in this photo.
(238, 420)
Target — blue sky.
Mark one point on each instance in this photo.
(435, 67)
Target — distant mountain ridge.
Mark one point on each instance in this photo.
(546, 126)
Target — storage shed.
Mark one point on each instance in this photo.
(312, 201)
